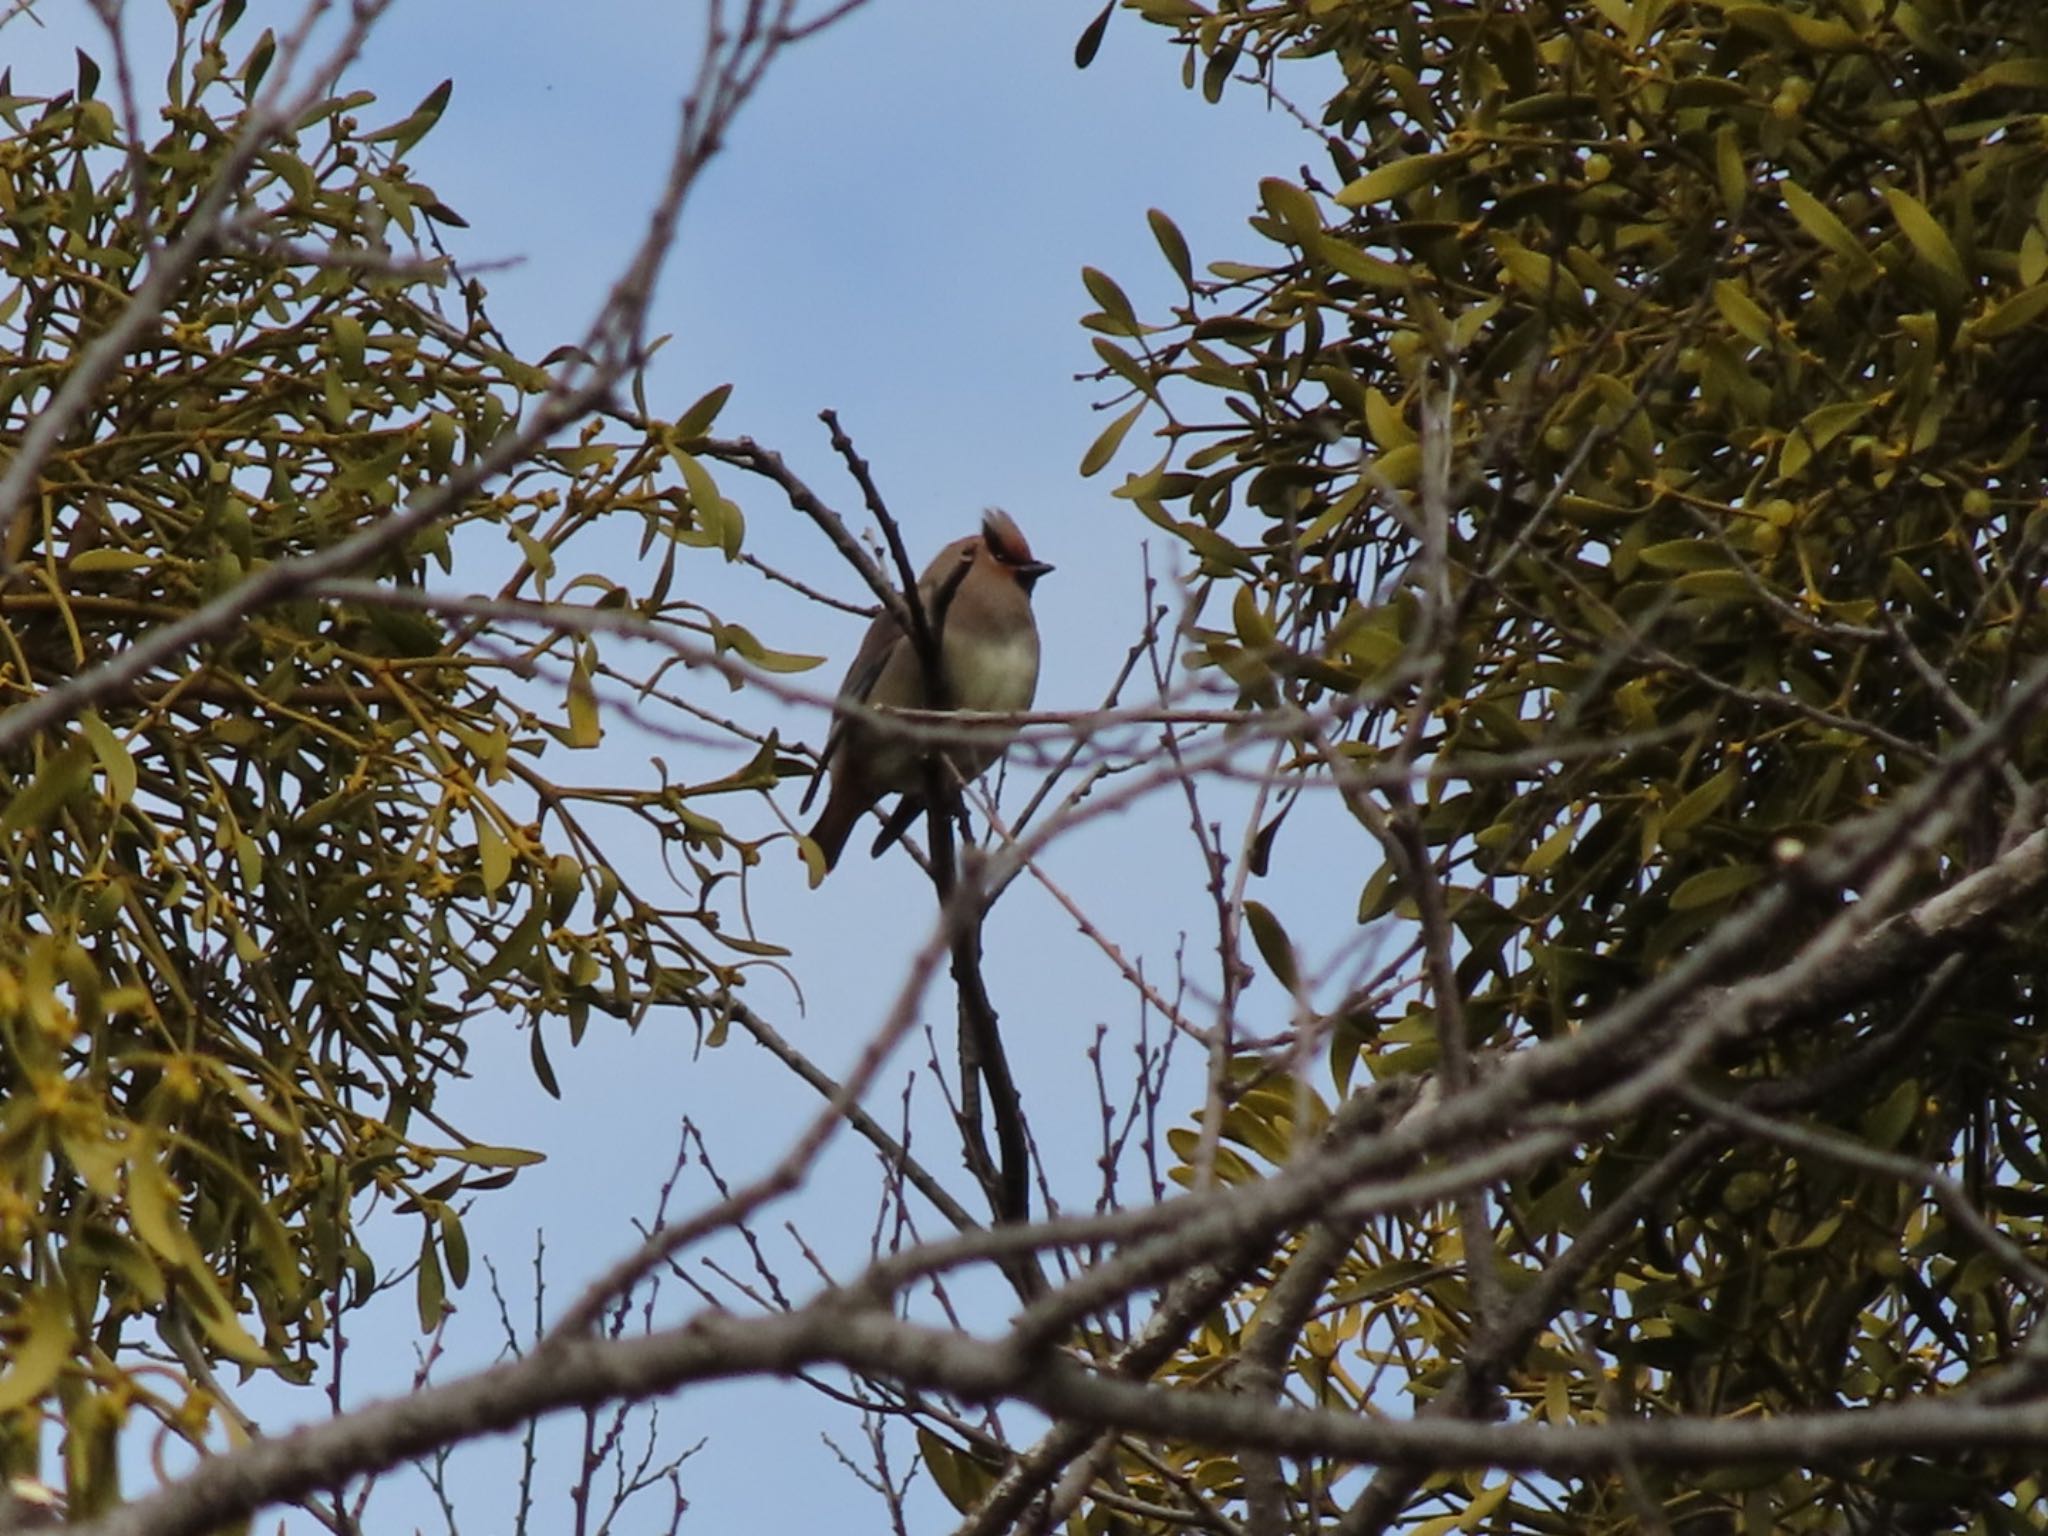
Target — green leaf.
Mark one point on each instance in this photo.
(1729, 171)
(1744, 315)
(478, 1155)
(1104, 448)
(1536, 274)
(517, 948)
(1819, 222)
(430, 1286)
(1551, 849)
(1253, 625)
(217, 1321)
(1103, 289)
(1292, 206)
(258, 63)
(956, 1474)
(1384, 422)
(1683, 555)
(1885, 1124)
(1348, 261)
(1928, 239)
(698, 419)
(1087, 45)
(1274, 946)
(1173, 245)
(1724, 584)
(2015, 314)
(494, 856)
(1815, 431)
(1398, 179)
(112, 756)
(41, 1343)
(1216, 73)
(585, 728)
(739, 638)
(409, 130)
(153, 1210)
(717, 518)
(2018, 74)
(1710, 887)
(333, 106)
(1696, 806)
(543, 1069)
(1398, 467)
(1817, 34)
(454, 1245)
(61, 776)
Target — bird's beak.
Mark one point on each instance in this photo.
(1030, 571)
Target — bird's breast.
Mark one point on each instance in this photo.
(993, 675)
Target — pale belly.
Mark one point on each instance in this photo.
(1002, 677)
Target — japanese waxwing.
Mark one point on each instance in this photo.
(977, 599)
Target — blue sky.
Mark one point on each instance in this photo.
(896, 232)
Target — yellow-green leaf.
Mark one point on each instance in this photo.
(1103, 289)
(409, 130)
(1819, 34)
(1729, 171)
(1253, 625)
(1819, 222)
(1104, 448)
(112, 756)
(1349, 261)
(431, 1288)
(493, 854)
(1274, 945)
(697, 420)
(1928, 239)
(153, 1210)
(1744, 315)
(217, 1319)
(1723, 585)
(2016, 313)
(1398, 467)
(1552, 848)
(1292, 206)
(1683, 555)
(106, 562)
(1886, 1124)
(1816, 430)
(480, 1156)
(585, 729)
(1700, 803)
(1389, 428)
(1712, 886)
(1173, 245)
(61, 776)
(37, 1352)
(1397, 179)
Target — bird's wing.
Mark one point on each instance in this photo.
(869, 660)
(858, 683)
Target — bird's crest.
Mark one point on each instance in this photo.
(1005, 540)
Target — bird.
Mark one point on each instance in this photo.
(977, 599)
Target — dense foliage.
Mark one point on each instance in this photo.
(256, 900)
(1728, 321)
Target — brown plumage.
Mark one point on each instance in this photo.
(977, 597)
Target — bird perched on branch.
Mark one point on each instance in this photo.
(977, 600)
